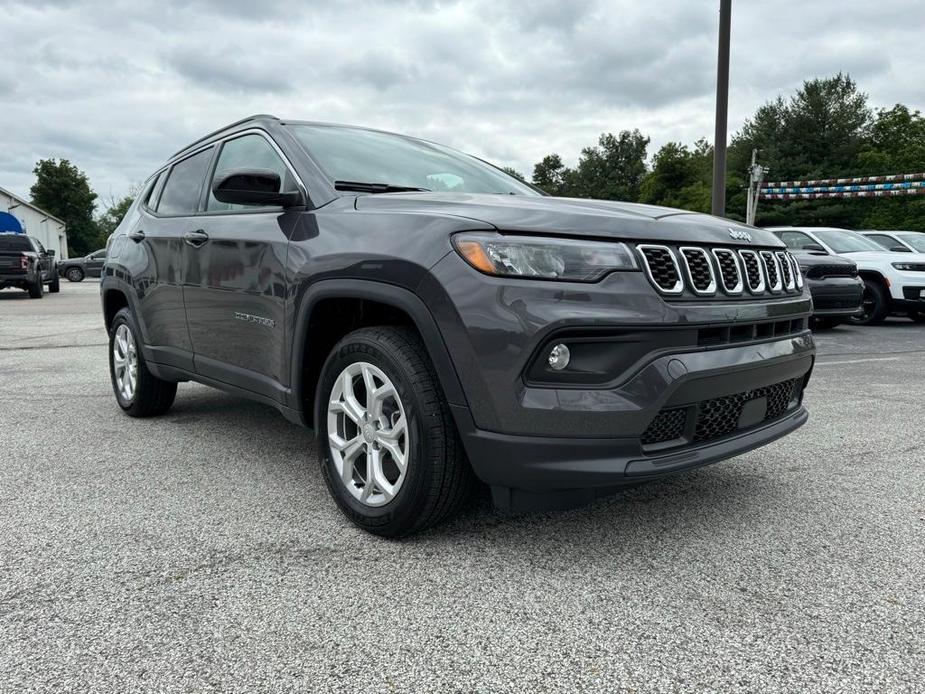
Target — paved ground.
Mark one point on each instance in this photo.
(200, 552)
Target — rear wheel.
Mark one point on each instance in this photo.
(138, 392)
(36, 289)
(74, 274)
(875, 305)
(387, 444)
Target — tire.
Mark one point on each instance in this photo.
(150, 395)
(36, 289)
(437, 478)
(875, 303)
(74, 274)
(55, 285)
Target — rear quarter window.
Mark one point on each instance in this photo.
(15, 243)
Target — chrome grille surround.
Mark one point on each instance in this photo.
(719, 254)
(797, 272)
(786, 271)
(746, 254)
(772, 271)
(678, 286)
(694, 250)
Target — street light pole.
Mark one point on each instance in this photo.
(722, 110)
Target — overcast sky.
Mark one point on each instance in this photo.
(116, 87)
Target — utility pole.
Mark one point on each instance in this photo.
(756, 174)
(722, 110)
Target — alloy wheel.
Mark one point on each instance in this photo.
(125, 362)
(368, 434)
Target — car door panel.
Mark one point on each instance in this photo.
(235, 296)
(235, 279)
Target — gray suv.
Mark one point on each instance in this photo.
(436, 321)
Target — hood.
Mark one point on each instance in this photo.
(577, 217)
(885, 256)
(813, 258)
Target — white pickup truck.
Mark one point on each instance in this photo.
(894, 283)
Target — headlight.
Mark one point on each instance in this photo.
(910, 267)
(542, 258)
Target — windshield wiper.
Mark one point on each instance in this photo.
(376, 187)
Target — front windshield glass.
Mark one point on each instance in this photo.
(915, 239)
(366, 156)
(844, 241)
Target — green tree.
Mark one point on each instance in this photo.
(680, 177)
(63, 190)
(550, 175)
(613, 170)
(113, 215)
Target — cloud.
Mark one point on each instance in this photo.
(117, 87)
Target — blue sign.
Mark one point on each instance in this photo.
(9, 223)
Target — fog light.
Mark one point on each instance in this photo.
(559, 356)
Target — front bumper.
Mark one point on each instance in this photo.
(536, 436)
(682, 382)
(836, 296)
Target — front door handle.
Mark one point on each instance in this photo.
(137, 236)
(196, 238)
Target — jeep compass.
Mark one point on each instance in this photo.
(436, 321)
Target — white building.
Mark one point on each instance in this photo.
(48, 229)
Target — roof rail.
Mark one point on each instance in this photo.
(222, 129)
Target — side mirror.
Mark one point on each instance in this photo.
(253, 187)
(50, 253)
(814, 247)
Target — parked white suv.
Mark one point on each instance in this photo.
(899, 241)
(894, 282)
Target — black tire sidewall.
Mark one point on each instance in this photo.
(881, 305)
(125, 317)
(74, 275)
(405, 505)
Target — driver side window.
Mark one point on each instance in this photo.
(248, 152)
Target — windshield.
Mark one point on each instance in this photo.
(915, 239)
(366, 156)
(844, 241)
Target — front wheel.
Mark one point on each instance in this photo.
(55, 285)
(827, 323)
(138, 392)
(388, 447)
(875, 305)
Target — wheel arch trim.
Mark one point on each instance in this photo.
(398, 297)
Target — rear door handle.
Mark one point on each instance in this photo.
(137, 235)
(196, 238)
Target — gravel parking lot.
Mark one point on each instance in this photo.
(200, 551)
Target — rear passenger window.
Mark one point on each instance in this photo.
(248, 152)
(184, 185)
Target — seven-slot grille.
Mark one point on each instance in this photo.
(719, 271)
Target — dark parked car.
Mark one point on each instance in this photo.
(24, 263)
(836, 287)
(430, 316)
(76, 269)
